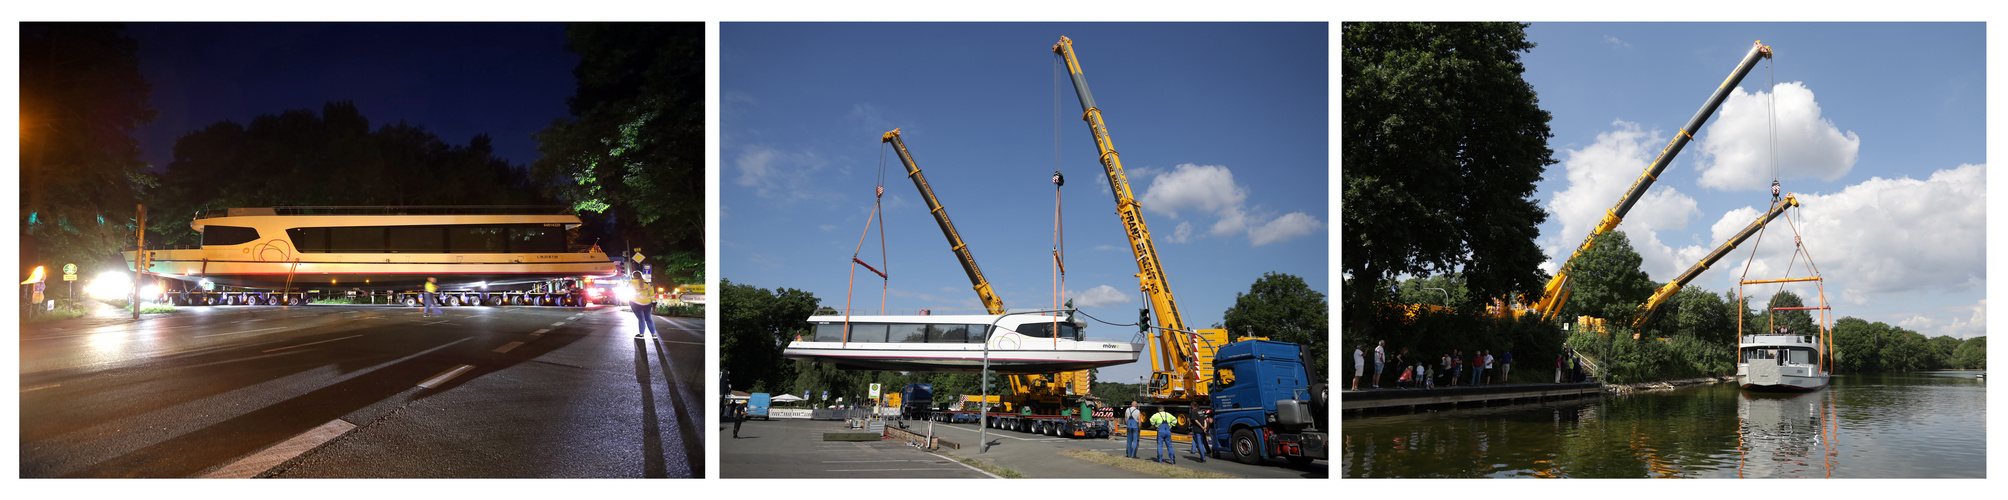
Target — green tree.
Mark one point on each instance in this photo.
(1942, 348)
(1856, 345)
(1443, 289)
(1700, 314)
(1444, 141)
(1797, 321)
(634, 145)
(82, 96)
(755, 325)
(1280, 306)
(1607, 282)
(1971, 354)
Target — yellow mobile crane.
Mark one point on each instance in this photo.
(1177, 372)
(1666, 292)
(1043, 393)
(1556, 292)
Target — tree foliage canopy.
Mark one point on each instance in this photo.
(634, 146)
(82, 97)
(1283, 308)
(755, 325)
(1607, 280)
(1444, 142)
(297, 157)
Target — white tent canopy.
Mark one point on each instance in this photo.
(787, 398)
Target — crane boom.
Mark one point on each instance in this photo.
(1046, 388)
(990, 301)
(1666, 292)
(1177, 365)
(1555, 293)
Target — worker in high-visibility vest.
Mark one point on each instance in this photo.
(643, 306)
(431, 297)
(1163, 421)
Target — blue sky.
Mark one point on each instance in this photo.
(1881, 132)
(1223, 132)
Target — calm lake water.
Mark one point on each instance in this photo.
(1895, 425)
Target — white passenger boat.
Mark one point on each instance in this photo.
(1784, 362)
(1019, 343)
(382, 247)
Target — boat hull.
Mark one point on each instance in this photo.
(387, 272)
(961, 358)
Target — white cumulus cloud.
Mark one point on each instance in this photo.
(1100, 296)
(1882, 236)
(1211, 190)
(1736, 151)
(1599, 175)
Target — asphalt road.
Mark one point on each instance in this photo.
(363, 391)
(793, 448)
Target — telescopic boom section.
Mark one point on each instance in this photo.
(990, 301)
(1183, 374)
(1555, 293)
(1660, 297)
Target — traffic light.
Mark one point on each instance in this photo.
(1143, 321)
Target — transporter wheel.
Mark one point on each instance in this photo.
(453, 301)
(1245, 448)
(410, 301)
(494, 300)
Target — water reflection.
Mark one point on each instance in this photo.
(1787, 435)
(1877, 425)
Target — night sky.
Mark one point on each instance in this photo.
(508, 80)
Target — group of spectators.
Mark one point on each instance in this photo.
(1483, 368)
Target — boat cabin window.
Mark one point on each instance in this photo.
(1044, 330)
(228, 235)
(902, 333)
(355, 240)
(1800, 356)
(415, 239)
(515, 238)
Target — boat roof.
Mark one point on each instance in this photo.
(1000, 319)
(389, 210)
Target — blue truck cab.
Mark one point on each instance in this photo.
(1264, 404)
(916, 401)
(757, 404)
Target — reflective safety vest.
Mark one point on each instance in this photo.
(431, 287)
(642, 294)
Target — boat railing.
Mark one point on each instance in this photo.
(923, 312)
(389, 210)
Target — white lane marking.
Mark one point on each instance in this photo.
(576, 316)
(246, 331)
(540, 332)
(252, 465)
(560, 323)
(506, 347)
(40, 387)
(880, 468)
(442, 377)
(970, 467)
(310, 343)
(873, 461)
(682, 342)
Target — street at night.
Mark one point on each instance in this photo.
(363, 392)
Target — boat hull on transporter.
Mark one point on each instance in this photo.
(956, 344)
(382, 248)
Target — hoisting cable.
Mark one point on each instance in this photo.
(1059, 255)
(1771, 119)
(878, 197)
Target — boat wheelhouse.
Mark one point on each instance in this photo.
(382, 247)
(1017, 343)
(1782, 362)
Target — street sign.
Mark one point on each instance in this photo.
(875, 390)
(69, 277)
(648, 269)
(69, 269)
